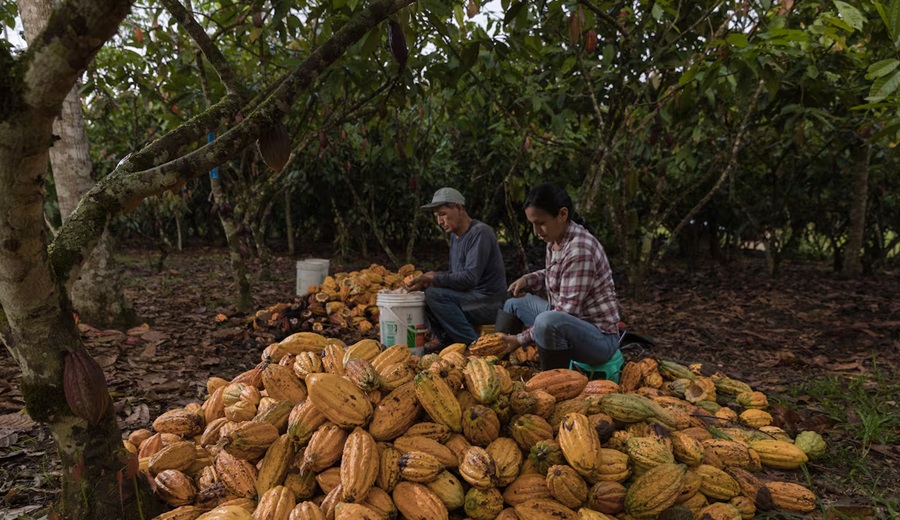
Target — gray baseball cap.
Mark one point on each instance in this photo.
(445, 196)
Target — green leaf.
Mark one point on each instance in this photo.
(657, 12)
(881, 68)
(837, 22)
(339, 3)
(372, 41)
(852, 16)
(294, 25)
(884, 86)
(254, 34)
(513, 12)
(894, 20)
(688, 76)
(469, 54)
(437, 23)
(739, 40)
(881, 12)
(812, 71)
(459, 16)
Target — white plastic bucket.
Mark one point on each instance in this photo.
(402, 320)
(308, 274)
(323, 263)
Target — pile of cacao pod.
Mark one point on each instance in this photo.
(348, 300)
(324, 430)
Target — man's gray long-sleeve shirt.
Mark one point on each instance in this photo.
(476, 263)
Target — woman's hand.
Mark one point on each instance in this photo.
(518, 287)
(510, 343)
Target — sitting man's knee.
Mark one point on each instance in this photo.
(434, 295)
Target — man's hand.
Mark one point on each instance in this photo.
(517, 288)
(510, 343)
(422, 281)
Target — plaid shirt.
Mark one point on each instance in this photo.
(578, 281)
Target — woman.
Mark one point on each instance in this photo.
(580, 320)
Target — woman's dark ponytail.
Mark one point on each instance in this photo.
(551, 197)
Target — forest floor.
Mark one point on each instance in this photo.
(824, 350)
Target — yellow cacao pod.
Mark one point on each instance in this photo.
(567, 486)
(342, 402)
(580, 444)
(544, 509)
(438, 400)
(359, 465)
(396, 413)
(275, 464)
(175, 488)
(483, 504)
(655, 491)
(448, 489)
(275, 504)
(561, 383)
(779, 454)
(791, 497)
(417, 502)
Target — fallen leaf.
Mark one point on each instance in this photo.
(140, 330)
(845, 366)
(220, 318)
(887, 451)
(106, 360)
(155, 336)
(8, 438)
(16, 422)
(149, 351)
(140, 415)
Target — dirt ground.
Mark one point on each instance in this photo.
(770, 333)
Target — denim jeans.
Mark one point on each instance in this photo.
(560, 331)
(453, 315)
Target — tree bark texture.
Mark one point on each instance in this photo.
(856, 233)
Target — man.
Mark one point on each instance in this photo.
(474, 289)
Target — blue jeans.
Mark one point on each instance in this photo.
(453, 315)
(560, 331)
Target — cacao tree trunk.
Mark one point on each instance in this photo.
(258, 228)
(97, 294)
(856, 234)
(97, 477)
(243, 299)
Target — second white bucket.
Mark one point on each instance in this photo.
(402, 320)
(307, 274)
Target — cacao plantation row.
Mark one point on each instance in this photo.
(325, 430)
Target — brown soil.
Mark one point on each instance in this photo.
(770, 333)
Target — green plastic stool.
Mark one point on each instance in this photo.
(609, 370)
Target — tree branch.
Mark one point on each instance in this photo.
(212, 53)
(76, 30)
